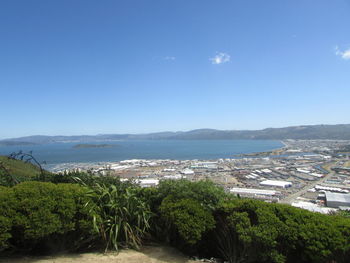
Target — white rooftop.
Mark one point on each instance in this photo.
(312, 207)
(336, 197)
(253, 191)
(331, 189)
(147, 181)
(276, 183)
(187, 171)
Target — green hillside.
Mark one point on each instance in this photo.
(18, 168)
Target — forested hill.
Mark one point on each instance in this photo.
(307, 132)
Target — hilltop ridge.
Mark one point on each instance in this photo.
(302, 132)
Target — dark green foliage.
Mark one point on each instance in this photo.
(188, 217)
(260, 232)
(5, 217)
(174, 201)
(253, 232)
(40, 215)
(205, 192)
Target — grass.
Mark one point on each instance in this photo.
(19, 168)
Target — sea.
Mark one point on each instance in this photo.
(57, 153)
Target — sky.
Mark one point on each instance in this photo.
(137, 66)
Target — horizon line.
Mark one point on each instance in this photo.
(180, 131)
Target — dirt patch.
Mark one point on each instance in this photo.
(148, 254)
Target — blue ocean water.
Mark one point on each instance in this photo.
(146, 149)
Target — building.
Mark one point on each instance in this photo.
(330, 189)
(187, 172)
(313, 207)
(336, 200)
(174, 177)
(252, 191)
(147, 182)
(205, 165)
(273, 183)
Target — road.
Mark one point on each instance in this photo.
(291, 198)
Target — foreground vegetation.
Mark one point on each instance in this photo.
(77, 211)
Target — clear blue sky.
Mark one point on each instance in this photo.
(89, 67)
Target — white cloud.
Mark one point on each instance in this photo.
(220, 58)
(346, 54)
(343, 54)
(169, 58)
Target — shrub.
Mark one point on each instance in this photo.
(187, 217)
(5, 217)
(205, 192)
(247, 231)
(254, 231)
(202, 196)
(42, 216)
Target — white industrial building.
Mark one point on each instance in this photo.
(313, 207)
(147, 182)
(174, 177)
(336, 199)
(252, 191)
(330, 189)
(274, 183)
(187, 172)
(205, 165)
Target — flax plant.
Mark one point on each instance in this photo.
(122, 217)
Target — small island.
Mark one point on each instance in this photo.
(85, 145)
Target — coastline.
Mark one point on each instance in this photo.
(146, 149)
(95, 164)
(273, 152)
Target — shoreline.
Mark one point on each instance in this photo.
(91, 165)
(273, 152)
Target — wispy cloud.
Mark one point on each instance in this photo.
(169, 58)
(220, 58)
(343, 54)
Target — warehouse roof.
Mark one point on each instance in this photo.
(336, 197)
(254, 191)
(276, 183)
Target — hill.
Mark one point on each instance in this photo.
(305, 132)
(19, 168)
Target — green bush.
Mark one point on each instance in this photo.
(38, 215)
(202, 196)
(254, 231)
(5, 217)
(205, 192)
(199, 218)
(187, 217)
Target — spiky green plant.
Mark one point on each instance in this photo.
(122, 217)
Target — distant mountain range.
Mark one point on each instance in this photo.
(306, 132)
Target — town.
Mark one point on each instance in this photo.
(310, 174)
